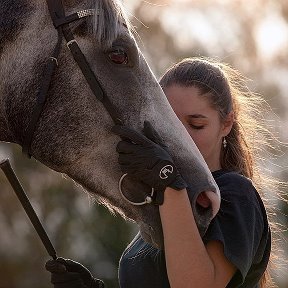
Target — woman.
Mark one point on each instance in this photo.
(208, 99)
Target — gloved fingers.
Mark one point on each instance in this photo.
(131, 162)
(152, 134)
(55, 266)
(141, 174)
(62, 261)
(61, 265)
(97, 283)
(126, 147)
(125, 159)
(132, 170)
(66, 273)
(138, 157)
(67, 278)
(73, 266)
(131, 134)
(129, 169)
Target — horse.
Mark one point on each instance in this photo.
(72, 134)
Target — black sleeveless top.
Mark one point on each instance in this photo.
(241, 225)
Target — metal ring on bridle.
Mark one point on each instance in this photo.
(54, 59)
(147, 200)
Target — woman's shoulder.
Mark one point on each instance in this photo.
(239, 197)
(232, 182)
(238, 189)
(231, 176)
(241, 225)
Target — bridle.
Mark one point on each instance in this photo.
(61, 24)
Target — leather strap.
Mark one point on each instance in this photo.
(41, 96)
(90, 77)
(23, 198)
(61, 23)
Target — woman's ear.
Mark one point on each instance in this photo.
(228, 123)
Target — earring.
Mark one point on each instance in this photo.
(224, 142)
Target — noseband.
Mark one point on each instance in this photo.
(61, 24)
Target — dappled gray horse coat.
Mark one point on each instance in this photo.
(73, 135)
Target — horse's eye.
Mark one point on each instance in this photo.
(118, 56)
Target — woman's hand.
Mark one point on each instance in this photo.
(146, 158)
(66, 273)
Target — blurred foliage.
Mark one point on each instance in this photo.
(252, 37)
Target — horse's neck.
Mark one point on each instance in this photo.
(13, 111)
(8, 97)
(14, 17)
(13, 98)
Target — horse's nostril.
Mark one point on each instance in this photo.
(203, 200)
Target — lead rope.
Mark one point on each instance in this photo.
(12, 178)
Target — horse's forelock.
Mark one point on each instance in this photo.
(108, 20)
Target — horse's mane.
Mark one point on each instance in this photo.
(109, 17)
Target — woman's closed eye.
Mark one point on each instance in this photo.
(196, 121)
(197, 126)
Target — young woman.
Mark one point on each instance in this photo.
(208, 99)
(214, 104)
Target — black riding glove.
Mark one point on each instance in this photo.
(146, 158)
(66, 273)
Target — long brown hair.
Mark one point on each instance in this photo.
(249, 137)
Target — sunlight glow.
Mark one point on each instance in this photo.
(271, 36)
(193, 28)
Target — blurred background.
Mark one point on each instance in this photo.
(251, 35)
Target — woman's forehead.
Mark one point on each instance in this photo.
(187, 97)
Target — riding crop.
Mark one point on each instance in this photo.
(11, 176)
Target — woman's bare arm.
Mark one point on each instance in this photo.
(189, 262)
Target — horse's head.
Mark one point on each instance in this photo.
(73, 134)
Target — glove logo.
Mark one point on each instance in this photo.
(165, 171)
